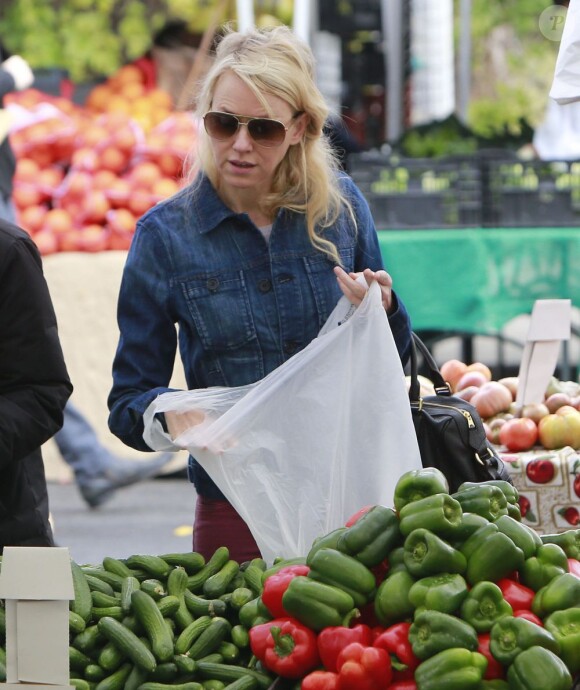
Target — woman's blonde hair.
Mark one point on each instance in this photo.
(276, 62)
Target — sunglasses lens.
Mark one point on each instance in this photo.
(220, 125)
(267, 132)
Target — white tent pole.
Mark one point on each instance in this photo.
(301, 23)
(464, 76)
(245, 12)
(392, 25)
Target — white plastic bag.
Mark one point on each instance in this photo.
(323, 435)
(566, 84)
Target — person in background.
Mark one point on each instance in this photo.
(98, 472)
(249, 260)
(34, 387)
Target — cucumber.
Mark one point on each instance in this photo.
(111, 657)
(165, 673)
(79, 684)
(149, 615)
(176, 586)
(184, 663)
(99, 612)
(168, 605)
(154, 565)
(217, 584)
(82, 602)
(200, 606)
(116, 681)
(237, 581)
(76, 623)
(114, 565)
(154, 588)
(214, 658)
(210, 638)
(128, 644)
(253, 578)
(229, 673)
(240, 636)
(213, 685)
(130, 584)
(89, 640)
(247, 683)
(188, 636)
(229, 652)
(115, 581)
(137, 677)
(192, 685)
(77, 660)
(191, 561)
(94, 673)
(100, 599)
(98, 585)
(241, 596)
(217, 561)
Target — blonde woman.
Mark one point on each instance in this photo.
(250, 259)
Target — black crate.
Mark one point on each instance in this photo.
(531, 193)
(419, 193)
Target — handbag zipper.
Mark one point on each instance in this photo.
(464, 413)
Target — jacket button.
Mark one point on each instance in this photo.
(264, 285)
(213, 284)
(290, 347)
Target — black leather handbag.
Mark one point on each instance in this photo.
(449, 430)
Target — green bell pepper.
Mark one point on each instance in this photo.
(343, 571)
(371, 538)
(492, 558)
(477, 538)
(417, 484)
(549, 562)
(432, 631)
(444, 592)
(484, 499)
(484, 605)
(392, 604)
(329, 540)
(427, 554)
(568, 541)
(495, 684)
(509, 490)
(565, 627)
(317, 604)
(470, 523)
(397, 560)
(562, 592)
(440, 514)
(523, 536)
(510, 636)
(451, 669)
(514, 511)
(538, 668)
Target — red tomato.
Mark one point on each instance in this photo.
(518, 434)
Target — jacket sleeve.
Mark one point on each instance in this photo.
(34, 383)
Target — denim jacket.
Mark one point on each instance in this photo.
(242, 306)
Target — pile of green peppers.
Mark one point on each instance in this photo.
(487, 602)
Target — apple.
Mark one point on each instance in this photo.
(452, 370)
(518, 434)
(559, 430)
(491, 398)
(483, 368)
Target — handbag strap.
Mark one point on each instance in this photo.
(440, 385)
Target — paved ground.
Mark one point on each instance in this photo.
(152, 517)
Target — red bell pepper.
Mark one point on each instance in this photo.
(276, 585)
(517, 595)
(331, 641)
(357, 516)
(494, 668)
(363, 668)
(403, 685)
(320, 680)
(529, 616)
(285, 647)
(574, 566)
(395, 641)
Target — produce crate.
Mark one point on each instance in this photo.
(419, 193)
(531, 193)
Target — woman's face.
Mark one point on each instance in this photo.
(243, 165)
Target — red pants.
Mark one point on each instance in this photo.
(217, 524)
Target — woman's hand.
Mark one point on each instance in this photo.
(178, 422)
(355, 292)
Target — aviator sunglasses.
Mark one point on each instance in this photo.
(263, 130)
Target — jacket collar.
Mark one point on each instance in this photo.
(208, 207)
